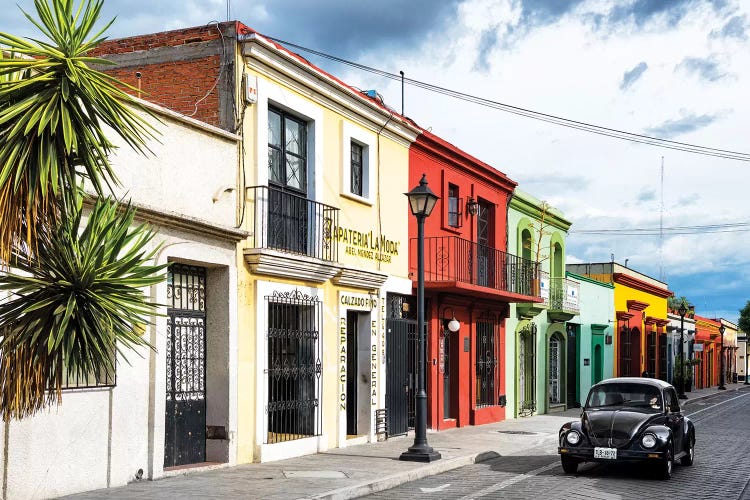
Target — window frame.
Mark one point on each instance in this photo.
(352, 134)
(458, 212)
(284, 153)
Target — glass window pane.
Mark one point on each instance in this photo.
(295, 137)
(274, 128)
(356, 169)
(295, 172)
(275, 172)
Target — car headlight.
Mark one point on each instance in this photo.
(573, 438)
(648, 441)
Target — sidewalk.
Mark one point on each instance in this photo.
(359, 470)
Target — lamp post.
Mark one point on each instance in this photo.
(721, 359)
(682, 310)
(747, 339)
(421, 202)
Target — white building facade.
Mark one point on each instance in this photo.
(107, 433)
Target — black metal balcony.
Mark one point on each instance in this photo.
(287, 222)
(451, 259)
(560, 296)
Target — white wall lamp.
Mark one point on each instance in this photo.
(453, 324)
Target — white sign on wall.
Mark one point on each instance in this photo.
(544, 288)
(697, 347)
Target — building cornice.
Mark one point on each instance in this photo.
(633, 282)
(433, 145)
(174, 220)
(291, 70)
(568, 274)
(532, 207)
(637, 305)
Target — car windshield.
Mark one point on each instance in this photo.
(625, 395)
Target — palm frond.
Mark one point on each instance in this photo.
(54, 110)
(74, 302)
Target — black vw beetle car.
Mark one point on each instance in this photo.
(629, 419)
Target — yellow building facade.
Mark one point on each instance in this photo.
(326, 246)
(640, 335)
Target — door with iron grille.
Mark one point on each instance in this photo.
(400, 347)
(555, 372)
(486, 360)
(352, 371)
(651, 354)
(527, 370)
(185, 410)
(663, 356)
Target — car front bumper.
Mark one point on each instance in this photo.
(586, 454)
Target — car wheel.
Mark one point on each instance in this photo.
(569, 465)
(665, 467)
(690, 456)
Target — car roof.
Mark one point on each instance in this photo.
(655, 382)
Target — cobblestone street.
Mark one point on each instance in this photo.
(721, 470)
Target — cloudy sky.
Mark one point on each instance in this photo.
(676, 69)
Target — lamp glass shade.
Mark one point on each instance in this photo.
(453, 325)
(722, 329)
(421, 199)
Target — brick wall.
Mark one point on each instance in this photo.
(179, 84)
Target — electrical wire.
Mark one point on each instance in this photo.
(528, 113)
(732, 227)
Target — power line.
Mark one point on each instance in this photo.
(732, 227)
(528, 113)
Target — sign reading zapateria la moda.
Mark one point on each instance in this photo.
(366, 244)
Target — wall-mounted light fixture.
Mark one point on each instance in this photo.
(472, 206)
(453, 324)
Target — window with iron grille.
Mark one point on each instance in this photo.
(454, 206)
(486, 360)
(90, 380)
(294, 368)
(357, 169)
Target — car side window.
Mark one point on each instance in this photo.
(671, 402)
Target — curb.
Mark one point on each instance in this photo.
(388, 482)
(742, 387)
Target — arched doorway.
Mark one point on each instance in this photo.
(526, 369)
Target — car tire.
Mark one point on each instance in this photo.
(689, 457)
(665, 467)
(569, 464)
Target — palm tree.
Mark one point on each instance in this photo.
(74, 304)
(54, 109)
(74, 281)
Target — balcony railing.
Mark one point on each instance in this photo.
(288, 222)
(450, 258)
(560, 294)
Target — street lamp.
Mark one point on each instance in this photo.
(682, 310)
(421, 202)
(721, 360)
(747, 339)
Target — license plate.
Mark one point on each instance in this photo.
(607, 453)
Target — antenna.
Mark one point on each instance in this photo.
(402, 93)
(229, 10)
(661, 225)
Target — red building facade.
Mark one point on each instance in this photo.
(469, 276)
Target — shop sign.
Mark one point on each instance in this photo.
(356, 301)
(342, 363)
(698, 347)
(366, 244)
